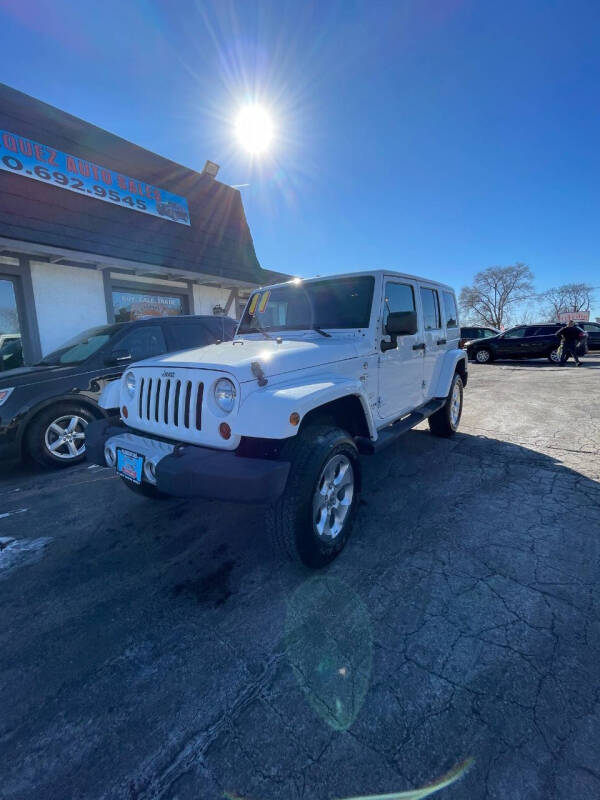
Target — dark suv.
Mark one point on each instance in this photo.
(593, 333)
(45, 409)
(523, 341)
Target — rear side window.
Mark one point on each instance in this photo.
(450, 309)
(542, 330)
(431, 309)
(143, 342)
(398, 297)
(469, 333)
(188, 336)
(591, 327)
(515, 333)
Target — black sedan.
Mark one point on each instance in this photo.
(45, 409)
(479, 332)
(522, 341)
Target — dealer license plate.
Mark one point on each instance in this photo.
(130, 465)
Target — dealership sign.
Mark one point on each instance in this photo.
(576, 316)
(42, 163)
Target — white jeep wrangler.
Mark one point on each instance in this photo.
(319, 371)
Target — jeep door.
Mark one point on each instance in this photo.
(434, 338)
(400, 368)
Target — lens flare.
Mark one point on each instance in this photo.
(254, 129)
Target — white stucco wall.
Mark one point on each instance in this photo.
(67, 300)
(206, 297)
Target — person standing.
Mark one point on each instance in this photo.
(570, 336)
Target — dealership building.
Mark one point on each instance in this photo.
(95, 230)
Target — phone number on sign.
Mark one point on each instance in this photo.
(66, 181)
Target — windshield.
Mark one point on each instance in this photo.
(81, 347)
(339, 303)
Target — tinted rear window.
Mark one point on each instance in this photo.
(222, 328)
(187, 336)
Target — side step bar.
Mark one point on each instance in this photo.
(391, 433)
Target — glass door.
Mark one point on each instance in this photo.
(11, 345)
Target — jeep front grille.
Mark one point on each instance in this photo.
(171, 401)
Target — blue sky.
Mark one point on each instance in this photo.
(432, 136)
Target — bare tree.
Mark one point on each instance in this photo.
(495, 292)
(570, 297)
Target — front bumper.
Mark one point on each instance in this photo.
(192, 471)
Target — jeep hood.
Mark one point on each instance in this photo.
(237, 357)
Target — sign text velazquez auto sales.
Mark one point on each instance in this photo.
(31, 159)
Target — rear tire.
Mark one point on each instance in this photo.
(312, 521)
(56, 436)
(553, 356)
(445, 421)
(144, 489)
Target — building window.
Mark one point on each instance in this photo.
(130, 304)
(11, 344)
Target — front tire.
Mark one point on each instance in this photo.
(312, 521)
(445, 421)
(483, 356)
(56, 437)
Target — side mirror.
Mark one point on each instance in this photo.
(402, 323)
(118, 357)
(399, 323)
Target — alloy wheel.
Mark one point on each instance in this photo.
(554, 356)
(65, 437)
(455, 405)
(333, 496)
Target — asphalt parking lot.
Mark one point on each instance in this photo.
(163, 650)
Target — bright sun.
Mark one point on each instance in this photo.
(254, 129)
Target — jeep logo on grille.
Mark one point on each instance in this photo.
(166, 374)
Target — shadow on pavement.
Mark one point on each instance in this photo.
(153, 640)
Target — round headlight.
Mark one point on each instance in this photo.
(224, 393)
(130, 383)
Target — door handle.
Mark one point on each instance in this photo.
(441, 341)
(420, 346)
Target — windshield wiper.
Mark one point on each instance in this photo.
(256, 329)
(321, 331)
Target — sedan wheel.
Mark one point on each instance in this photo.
(65, 437)
(482, 356)
(56, 436)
